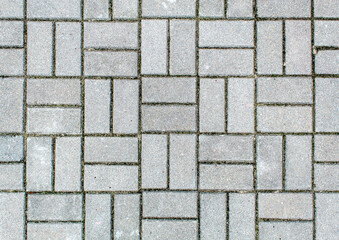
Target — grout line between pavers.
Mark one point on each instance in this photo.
(112, 216)
(283, 47)
(283, 163)
(227, 216)
(53, 163)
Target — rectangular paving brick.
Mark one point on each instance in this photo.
(154, 8)
(326, 177)
(326, 8)
(239, 8)
(326, 62)
(52, 9)
(125, 9)
(11, 62)
(11, 33)
(284, 8)
(211, 8)
(225, 177)
(12, 9)
(326, 33)
(286, 230)
(51, 230)
(11, 177)
(11, 148)
(212, 105)
(96, 9)
(326, 148)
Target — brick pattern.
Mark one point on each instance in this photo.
(172, 119)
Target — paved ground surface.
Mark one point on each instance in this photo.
(169, 119)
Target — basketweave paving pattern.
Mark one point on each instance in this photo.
(169, 119)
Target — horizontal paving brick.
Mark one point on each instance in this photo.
(51, 230)
(326, 8)
(326, 62)
(11, 177)
(52, 9)
(11, 33)
(11, 62)
(11, 148)
(326, 33)
(284, 8)
(125, 9)
(154, 8)
(12, 9)
(286, 230)
(326, 177)
(239, 8)
(212, 8)
(96, 9)
(326, 148)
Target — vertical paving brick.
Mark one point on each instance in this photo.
(98, 217)
(46, 231)
(11, 33)
(286, 230)
(284, 8)
(182, 162)
(68, 49)
(39, 48)
(212, 8)
(182, 43)
(11, 8)
(125, 106)
(170, 8)
(154, 156)
(326, 8)
(326, 177)
(242, 216)
(126, 216)
(52, 9)
(298, 162)
(326, 32)
(239, 8)
(11, 177)
(154, 46)
(39, 164)
(298, 47)
(213, 216)
(97, 106)
(269, 47)
(240, 109)
(11, 148)
(125, 9)
(11, 107)
(11, 62)
(212, 105)
(68, 164)
(12, 216)
(96, 9)
(326, 148)
(269, 162)
(326, 62)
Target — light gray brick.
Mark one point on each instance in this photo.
(168, 118)
(126, 216)
(327, 216)
(125, 9)
(169, 229)
(182, 162)
(11, 9)
(111, 178)
(298, 162)
(326, 148)
(68, 164)
(212, 8)
(285, 90)
(298, 46)
(39, 48)
(226, 148)
(226, 33)
(97, 106)
(326, 8)
(212, 105)
(125, 106)
(96, 9)
(226, 177)
(11, 33)
(111, 149)
(286, 230)
(53, 9)
(286, 206)
(326, 62)
(11, 177)
(240, 108)
(65, 207)
(326, 33)
(12, 216)
(169, 90)
(213, 216)
(11, 104)
(169, 204)
(98, 217)
(168, 8)
(269, 162)
(39, 164)
(11, 148)
(53, 120)
(11, 62)
(326, 104)
(242, 216)
(154, 156)
(284, 8)
(47, 231)
(223, 62)
(284, 119)
(112, 35)
(326, 177)
(68, 49)
(117, 63)
(154, 46)
(53, 91)
(269, 47)
(239, 8)
(182, 43)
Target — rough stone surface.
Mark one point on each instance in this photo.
(11, 33)
(11, 148)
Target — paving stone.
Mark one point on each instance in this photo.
(65, 207)
(226, 148)
(12, 216)
(224, 62)
(326, 62)
(11, 148)
(212, 8)
(168, 8)
(12, 9)
(326, 104)
(11, 107)
(96, 9)
(125, 9)
(53, 91)
(98, 216)
(326, 177)
(239, 8)
(225, 177)
(284, 8)
(326, 148)
(326, 33)
(11, 177)
(213, 216)
(327, 215)
(226, 34)
(47, 231)
(111, 149)
(11, 33)
(286, 206)
(286, 230)
(11, 62)
(169, 204)
(326, 8)
(111, 178)
(168, 90)
(53, 9)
